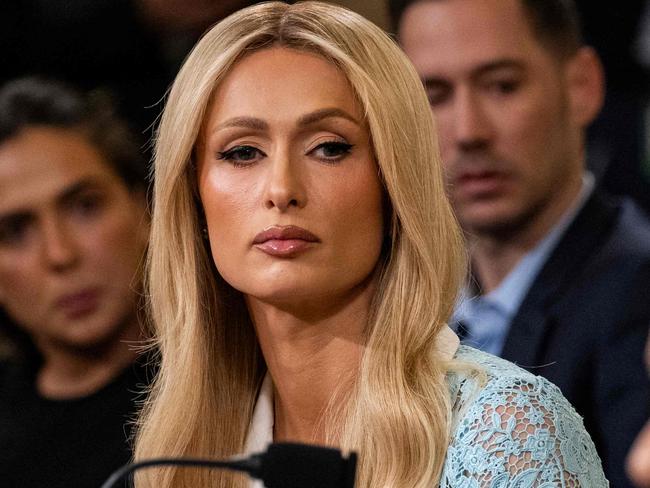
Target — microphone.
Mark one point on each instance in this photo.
(283, 465)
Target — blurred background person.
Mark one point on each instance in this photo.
(638, 461)
(560, 270)
(619, 138)
(73, 230)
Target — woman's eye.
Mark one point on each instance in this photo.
(332, 151)
(87, 204)
(13, 231)
(241, 155)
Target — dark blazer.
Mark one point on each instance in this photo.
(584, 324)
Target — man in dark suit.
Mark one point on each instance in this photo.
(561, 272)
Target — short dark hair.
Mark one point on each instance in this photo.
(556, 23)
(27, 102)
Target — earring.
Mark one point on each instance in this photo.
(204, 233)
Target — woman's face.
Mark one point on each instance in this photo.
(288, 181)
(71, 238)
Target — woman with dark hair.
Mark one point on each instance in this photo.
(73, 230)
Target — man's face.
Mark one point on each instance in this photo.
(509, 111)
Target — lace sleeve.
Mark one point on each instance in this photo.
(519, 431)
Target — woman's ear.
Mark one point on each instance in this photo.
(586, 85)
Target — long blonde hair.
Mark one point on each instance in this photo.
(398, 416)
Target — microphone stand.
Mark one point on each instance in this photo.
(283, 465)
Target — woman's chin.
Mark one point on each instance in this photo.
(286, 298)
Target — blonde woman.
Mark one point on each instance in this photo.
(304, 262)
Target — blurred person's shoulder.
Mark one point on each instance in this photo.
(633, 227)
(621, 257)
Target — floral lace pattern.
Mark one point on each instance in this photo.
(516, 431)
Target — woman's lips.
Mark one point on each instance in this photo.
(284, 241)
(79, 304)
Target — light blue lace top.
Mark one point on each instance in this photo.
(517, 430)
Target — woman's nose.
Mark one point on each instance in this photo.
(284, 186)
(58, 247)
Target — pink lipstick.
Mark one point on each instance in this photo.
(284, 241)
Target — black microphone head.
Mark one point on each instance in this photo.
(289, 465)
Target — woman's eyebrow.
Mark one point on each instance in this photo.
(79, 187)
(255, 123)
(324, 113)
(245, 122)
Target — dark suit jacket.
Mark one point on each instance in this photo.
(584, 323)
